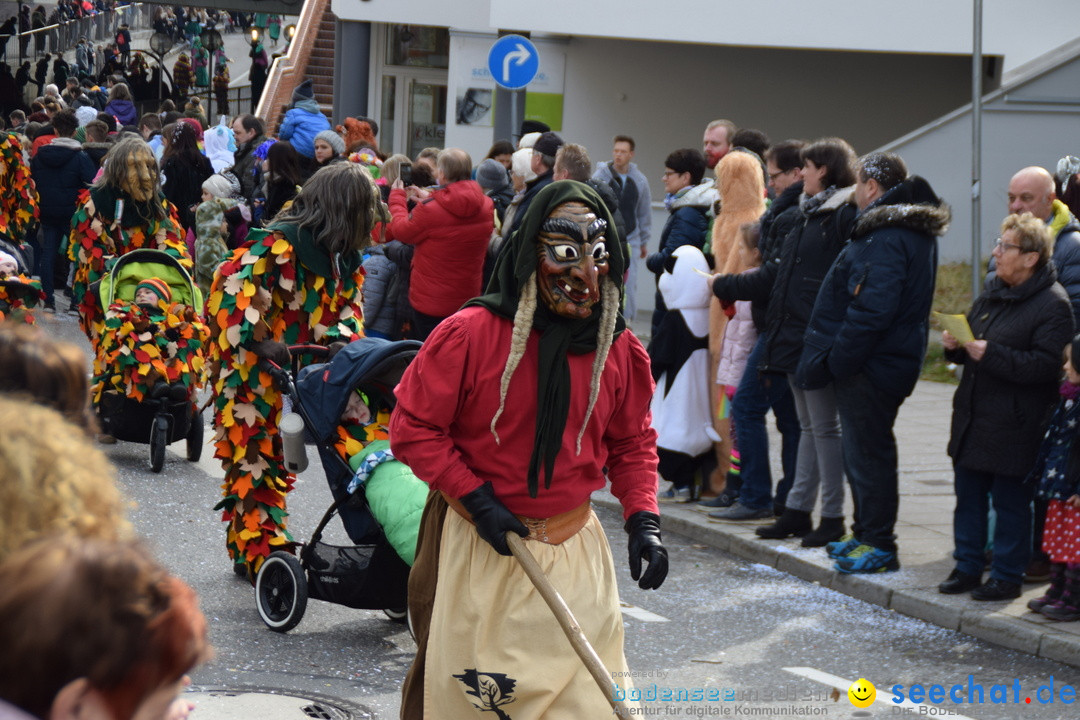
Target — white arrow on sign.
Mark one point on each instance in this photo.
(519, 55)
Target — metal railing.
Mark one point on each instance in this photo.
(61, 37)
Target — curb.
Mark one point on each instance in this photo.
(1037, 636)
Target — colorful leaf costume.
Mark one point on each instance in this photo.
(97, 236)
(19, 295)
(18, 195)
(140, 346)
(278, 286)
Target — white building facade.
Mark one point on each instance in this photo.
(865, 70)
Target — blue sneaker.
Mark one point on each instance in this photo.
(841, 547)
(867, 559)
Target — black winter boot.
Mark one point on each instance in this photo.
(830, 530)
(1054, 592)
(793, 523)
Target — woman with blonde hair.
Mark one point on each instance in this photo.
(55, 480)
(741, 186)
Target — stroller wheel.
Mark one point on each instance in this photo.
(281, 591)
(195, 436)
(159, 439)
(398, 615)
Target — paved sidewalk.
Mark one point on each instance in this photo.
(925, 539)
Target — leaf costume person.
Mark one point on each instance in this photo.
(297, 281)
(124, 210)
(18, 196)
(511, 411)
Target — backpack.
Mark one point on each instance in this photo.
(120, 39)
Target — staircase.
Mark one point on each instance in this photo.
(311, 55)
(320, 66)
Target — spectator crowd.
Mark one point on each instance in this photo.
(796, 277)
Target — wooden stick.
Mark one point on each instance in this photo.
(566, 620)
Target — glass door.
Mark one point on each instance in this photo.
(426, 121)
(409, 81)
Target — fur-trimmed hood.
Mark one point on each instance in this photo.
(702, 195)
(912, 204)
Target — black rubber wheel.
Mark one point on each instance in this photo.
(159, 440)
(195, 436)
(281, 591)
(398, 615)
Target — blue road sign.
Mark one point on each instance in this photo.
(513, 61)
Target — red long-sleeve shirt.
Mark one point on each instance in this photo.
(448, 396)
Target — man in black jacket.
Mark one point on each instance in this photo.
(867, 335)
(758, 391)
(543, 164)
(60, 170)
(248, 131)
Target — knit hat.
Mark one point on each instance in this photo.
(548, 144)
(492, 175)
(332, 139)
(157, 286)
(303, 91)
(85, 114)
(218, 186)
(9, 259)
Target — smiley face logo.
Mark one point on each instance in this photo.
(862, 693)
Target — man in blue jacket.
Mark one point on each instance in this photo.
(60, 170)
(868, 335)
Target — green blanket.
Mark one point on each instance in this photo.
(396, 498)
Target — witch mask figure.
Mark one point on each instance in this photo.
(572, 257)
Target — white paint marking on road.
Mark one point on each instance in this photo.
(640, 614)
(842, 684)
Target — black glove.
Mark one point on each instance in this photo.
(274, 351)
(644, 530)
(491, 518)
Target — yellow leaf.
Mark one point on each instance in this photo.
(280, 246)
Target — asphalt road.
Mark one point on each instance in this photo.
(775, 645)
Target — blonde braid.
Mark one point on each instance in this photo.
(605, 336)
(523, 320)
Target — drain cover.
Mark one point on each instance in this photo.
(228, 703)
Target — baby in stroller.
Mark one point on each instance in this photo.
(150, 346)
(19, 294)
(349, 401)
(149, 356)
(345, 406)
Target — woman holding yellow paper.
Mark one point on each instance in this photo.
(1021, 324)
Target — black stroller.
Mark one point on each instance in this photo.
(369, 574)
(166, 416)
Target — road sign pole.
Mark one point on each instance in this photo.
(513, 62)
